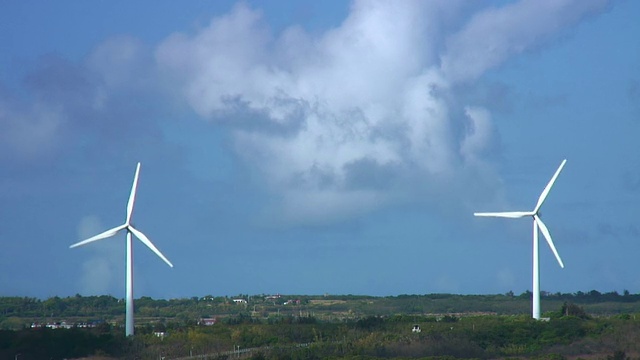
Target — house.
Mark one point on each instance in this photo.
(59, 325)
(207, 321)
(240, 301)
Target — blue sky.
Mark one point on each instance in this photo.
(318, 147)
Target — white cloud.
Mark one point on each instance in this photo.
(494, 35)
(479, 134)
(29, 133)
(118, 60)
(225, 61)
(376, 90)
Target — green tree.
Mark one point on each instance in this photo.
(571, 309)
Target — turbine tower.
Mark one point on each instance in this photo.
(142, 237)
(537, 224)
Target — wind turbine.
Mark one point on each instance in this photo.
(142, 237)
(537, 224)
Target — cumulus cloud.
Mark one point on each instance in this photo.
(89, 109)
(371, 98)
(336, 123)
(480, 132)
(27, 132)
(494, 35)
(61, 97)
(119, 61)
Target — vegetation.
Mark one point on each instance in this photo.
(584, 325)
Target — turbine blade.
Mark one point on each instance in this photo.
(547, 235)
(546, 190)
(104, 235)
(507, 214)
(145, 240)
(132, 196)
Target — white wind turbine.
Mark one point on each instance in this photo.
(142, 237)
(537, 223)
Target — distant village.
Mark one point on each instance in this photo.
(203, 321)
(65, 325)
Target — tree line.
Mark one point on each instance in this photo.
(109, 308)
